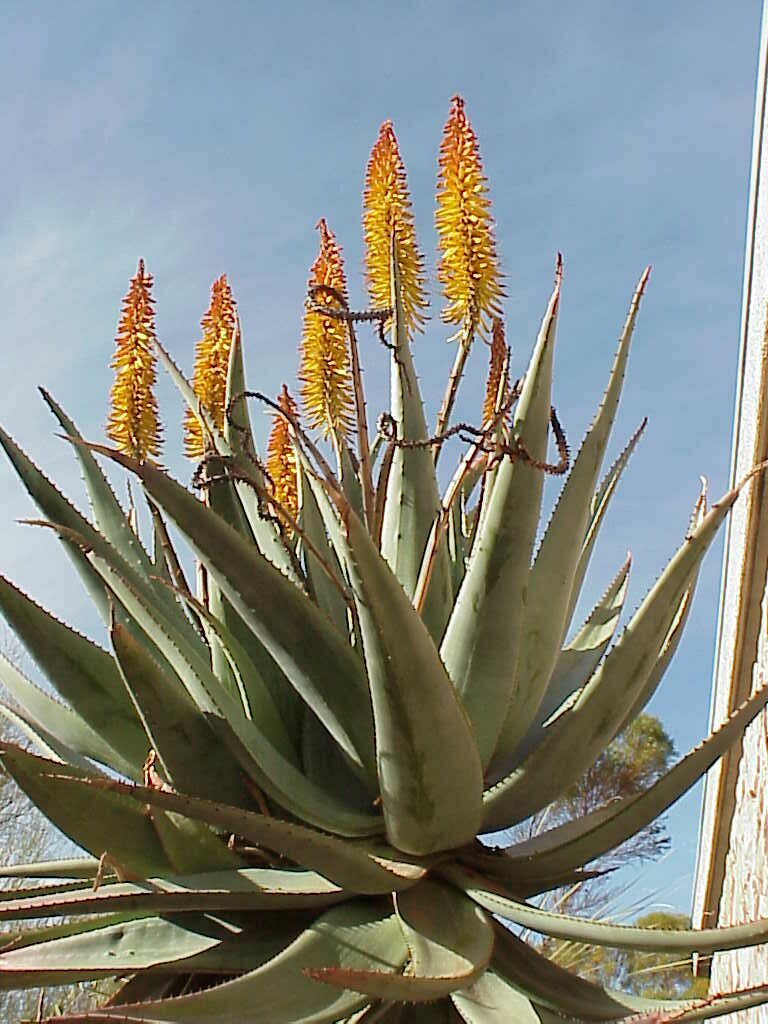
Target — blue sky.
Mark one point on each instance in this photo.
(209, 139)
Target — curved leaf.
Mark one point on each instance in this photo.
(600, 502)
(45, 743)
(81, 672)
(317, 661)
(601, 933)
(353, 866)
(430, 802)
(109, 517)
(58, 721)
(545, 982)
(55, 507)
(177, 944)
(577, 842)
(236, 890)
(482, 641)
(244, 738)
(449, 943)
(575, 739)
(355, 936)
(250, 484)
(190, 753)
(552, 575)
(141, 840)
(492, 1000)
(579, 660)
(80, 867)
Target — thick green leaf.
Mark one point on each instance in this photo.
(252, 695)
(236, 890)
(99, 821)
(45, 743)
(356, 936)
(520, 876)
(600, 503)
(550, 985)
(81, 867)
(575, 739)
(243, 737)
(82, 673)
(449, 943)
(579, 660)
(58, 721)
(316, 660)
(237, 422)
(584, 839)
(349, 479)
(250, 484)
(353, 866)
(482, 641)
(141, 840)
(109, 517)
(492, 1000)
(55, 507)
(191, 755)
(601, 933)
(552, 575)
(430, 802)
(179, 944)
(323, 568)
(412, 496)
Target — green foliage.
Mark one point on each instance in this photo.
(633, 762)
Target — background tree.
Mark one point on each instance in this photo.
(653, 975)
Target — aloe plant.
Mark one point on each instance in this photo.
(282, 773)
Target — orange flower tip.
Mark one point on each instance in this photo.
(468, 268)
(324, 372)
(388, 219)
(133, 423)
(281, 457)
(209, 377)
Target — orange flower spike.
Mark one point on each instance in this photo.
(326, 383)
(387, 209)
(133, 423)
(498, 368)
(209, 377)
(281, 458)
(469, 265)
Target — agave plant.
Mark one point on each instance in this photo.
(283, 775)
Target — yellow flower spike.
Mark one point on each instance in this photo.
(281, 458)
(387, 210)
(209, 377)
(133, 422)
(326, 383)
(469, 266)
(498, 370)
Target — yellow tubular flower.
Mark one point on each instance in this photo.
(209, 377)
(387, 209)
(133, 422)
(281, 458)
(469, 266)
(498, 367)
(326, 384)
